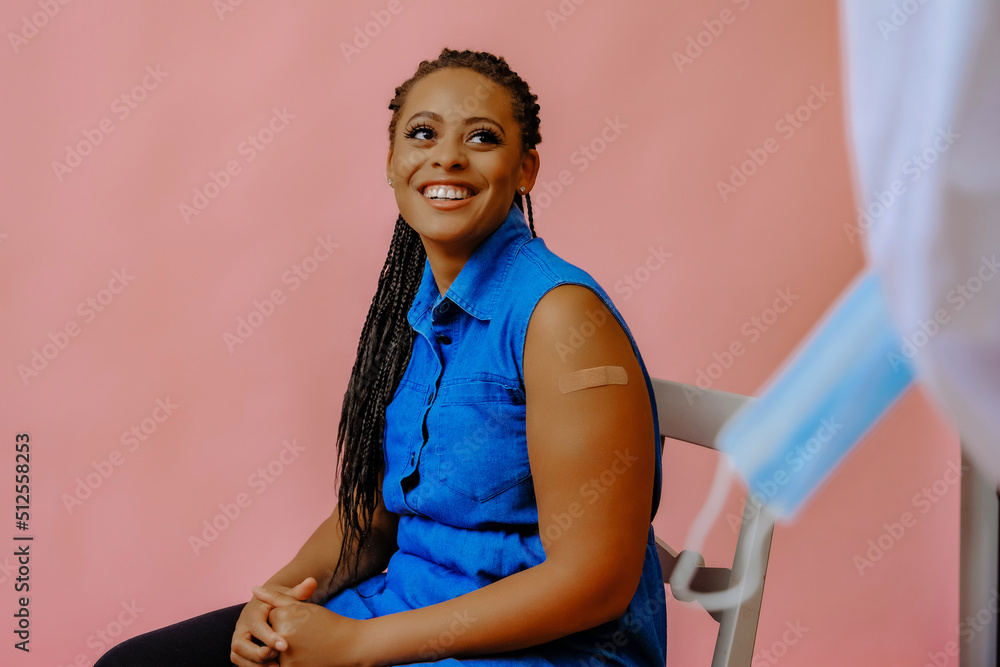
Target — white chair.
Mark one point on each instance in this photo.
(696, 415)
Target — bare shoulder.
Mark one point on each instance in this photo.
(572, 327)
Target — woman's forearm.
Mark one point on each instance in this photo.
(321, 552)
(530, 607)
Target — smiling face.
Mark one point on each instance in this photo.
(456, 160)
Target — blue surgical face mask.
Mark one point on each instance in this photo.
(846, 375)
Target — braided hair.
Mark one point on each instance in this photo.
(387, 338)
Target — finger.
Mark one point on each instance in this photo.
(304, 590)
(240, 661)
(264, 632)
(273, 598)
(267, 655)
(251, 650)
(252, 653)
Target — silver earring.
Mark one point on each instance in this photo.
(390, 181)
(522, 188)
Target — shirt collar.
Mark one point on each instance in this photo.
(477, 286)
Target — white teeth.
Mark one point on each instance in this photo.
(446, 192)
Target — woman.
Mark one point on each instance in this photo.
(497, 479)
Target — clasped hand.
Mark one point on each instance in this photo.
(295, 633)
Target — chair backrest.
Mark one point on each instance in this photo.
(695, 415)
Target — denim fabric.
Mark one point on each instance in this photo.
(456, 458)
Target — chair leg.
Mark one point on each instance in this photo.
(738, 626)
(977, 599)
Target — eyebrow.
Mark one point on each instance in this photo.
(468, 121)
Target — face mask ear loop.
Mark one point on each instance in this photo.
(708, 515)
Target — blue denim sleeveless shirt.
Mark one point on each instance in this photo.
(456, 458)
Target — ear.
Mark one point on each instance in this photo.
(388, 166)
(530, 163)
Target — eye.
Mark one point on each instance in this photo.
(413, 131)
(488, 135)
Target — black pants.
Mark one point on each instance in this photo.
(202, 641)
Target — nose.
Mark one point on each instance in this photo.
(449, 152)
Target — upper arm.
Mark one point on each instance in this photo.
(591, 450)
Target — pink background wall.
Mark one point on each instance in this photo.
(160, 336)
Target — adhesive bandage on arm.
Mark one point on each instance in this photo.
(592, 377)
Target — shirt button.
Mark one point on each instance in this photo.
(444, 340)
(443, 308)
